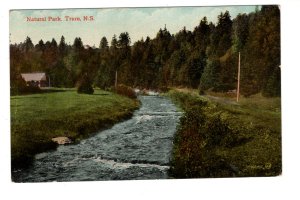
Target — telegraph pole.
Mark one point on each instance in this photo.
(238, 83)
(116, 79)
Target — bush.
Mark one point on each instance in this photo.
(164, 89)
(19, 87)
(85, 86)
(195, 145)
(219, 140)
(125, 91)
(201, 91)
(202, 131)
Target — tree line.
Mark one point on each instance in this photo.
(205, 58)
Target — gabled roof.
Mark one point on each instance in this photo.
(34, 77)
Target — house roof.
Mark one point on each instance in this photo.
(34, 77)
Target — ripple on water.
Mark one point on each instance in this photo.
(119, 165)
(138, 148)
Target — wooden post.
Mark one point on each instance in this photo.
(238, 83)
(116, 79)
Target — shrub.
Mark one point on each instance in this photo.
(201, 132)
(19, 87)
(195, 145)
(201, 91)
(125, 91)
(216, 140)
(164, 89)
(85, 86)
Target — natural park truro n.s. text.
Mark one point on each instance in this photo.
(60, 19)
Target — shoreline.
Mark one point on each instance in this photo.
(33, 137)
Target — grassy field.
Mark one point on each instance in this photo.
(37, 118)
(218, 137)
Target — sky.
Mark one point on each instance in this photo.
(138, 22)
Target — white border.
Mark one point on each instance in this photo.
(282, 187)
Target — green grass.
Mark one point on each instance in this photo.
(246, 137)
(37, 118)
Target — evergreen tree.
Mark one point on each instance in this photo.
(40, 46)
(124, 40)
(78, 45)
(62, 47)
(103, 43)
(240, 31)
(53, 43)
(208, 55)
(201, 34)
(114, 42)
(210, 76)
(84, 85)
(221, 36)
(28, 45)
(261, 54)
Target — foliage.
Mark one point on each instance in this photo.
(210, 76)
(204, 58)
(261, 53)
(19, 87)
(103, 43)
(125, 91)
(226, 140)
(85, 86)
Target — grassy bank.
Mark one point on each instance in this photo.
(220, 138)
(37, 118)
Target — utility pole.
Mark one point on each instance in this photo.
(238, 83)
(116, 79)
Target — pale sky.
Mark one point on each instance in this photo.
(138, 22)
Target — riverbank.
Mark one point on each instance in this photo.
(134, 149)
(218, 137)
(37, 118)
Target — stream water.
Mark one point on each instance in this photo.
(138, 148)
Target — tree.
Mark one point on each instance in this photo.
(114, 42)
(228, 71)
(62, 47)
(124, 40)
(224, 28)
(78, 45)
(201, 34)
(273, 87)
(103, 43)
(40, 46)
(210, 76)
(61, 76)
(137, 62)
(53, 43)
(172, 67)
(28, 45)
(261, 54)
(240, 31)
(207, 55)
(84, 85)
(196, 63)
(123, 68)
(221, 36)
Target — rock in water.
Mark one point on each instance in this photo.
(62, 140)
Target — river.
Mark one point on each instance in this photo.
(139, 148)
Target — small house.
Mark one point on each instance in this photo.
(35, 79)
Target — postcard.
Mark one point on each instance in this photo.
(145, 93)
